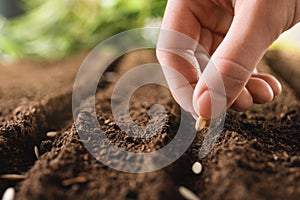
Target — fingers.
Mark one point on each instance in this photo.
(261, 88)
(243, 102)
(181, 89)
(179, 69)
(175, 51)
(271, 80)
(234, 60)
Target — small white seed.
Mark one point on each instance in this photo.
(200, 124)
(36, 151)
(197, 168)
(187, 194)
(9, 194)
(51, 134)
(13, 177)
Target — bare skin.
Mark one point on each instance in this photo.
(236, 34)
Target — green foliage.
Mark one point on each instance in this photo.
(52, 29)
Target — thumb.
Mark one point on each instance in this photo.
(233, 62)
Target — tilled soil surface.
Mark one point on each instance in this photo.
(257, 155)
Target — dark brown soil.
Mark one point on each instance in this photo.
(256, 157)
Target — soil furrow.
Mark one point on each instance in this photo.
(36, 98)
(257, 155)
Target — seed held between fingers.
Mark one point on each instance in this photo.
(200, 123)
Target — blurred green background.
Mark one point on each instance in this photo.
(52, 29)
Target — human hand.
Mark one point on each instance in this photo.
(236, 33)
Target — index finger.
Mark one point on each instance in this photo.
(176, 52)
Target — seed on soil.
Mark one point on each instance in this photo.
(275, 157)
(106, 121)
(36, 152)
(187, 193)
(200, 124)
(197, 168)
(51, 134)
(13, 177)
(71, 181)
(271, 165)
(9, 194)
